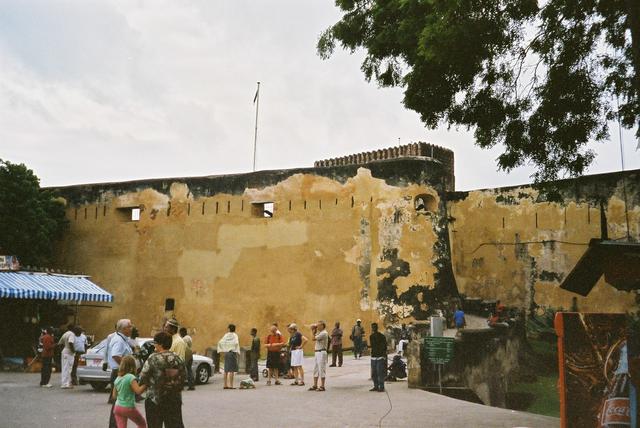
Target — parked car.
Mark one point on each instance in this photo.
(90, 364)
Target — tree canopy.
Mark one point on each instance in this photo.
(31, 219)
(540, 78)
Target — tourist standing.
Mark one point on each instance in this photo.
(163, 373)
(357, 334)
(79, 346)
(321, 337)
(296, 344)
(274, 343)
(124, 391)
(378, 358)
(117, 348)
(336, 345)
(177, 344)
(48, 345)
(230, 345)
(459, 319)
(188, 357)
(67, 356)
(255, 354)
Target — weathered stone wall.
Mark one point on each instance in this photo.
(516, 245)
(376, 237)
(435, 153)
(343, 243)
(484, 361)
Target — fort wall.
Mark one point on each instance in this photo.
(329, 251)
(363, 236)
(517, 244)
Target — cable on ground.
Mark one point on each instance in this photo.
(388, 411)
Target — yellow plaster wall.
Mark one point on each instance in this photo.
(489, 263)
(223, 265)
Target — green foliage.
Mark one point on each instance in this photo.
(544, 398)
(31, 219)
(538, 79)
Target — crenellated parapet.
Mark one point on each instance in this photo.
(418, 149)
(414, 150)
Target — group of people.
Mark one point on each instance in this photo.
(72, 344)
(277, 355)
(275, 343)
(163, 376)
(168, 369)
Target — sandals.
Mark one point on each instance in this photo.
(278, 382)
(268, 383)
(294, 383)
(301, 384)
(313, 388)
(321, 389)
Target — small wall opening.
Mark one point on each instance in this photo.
(425, 203)
(129, 213)
(262, 209)
(169, 304)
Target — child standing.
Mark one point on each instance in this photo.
(124, 390)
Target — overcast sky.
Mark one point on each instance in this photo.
(94, 91)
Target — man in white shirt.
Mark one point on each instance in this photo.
(67, 356)
(79, 347)
(321, 339)
(117, 348)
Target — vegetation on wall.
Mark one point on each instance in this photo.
(539, 78)
(31, 219)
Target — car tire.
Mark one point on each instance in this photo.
(202, 374)
(99, 386)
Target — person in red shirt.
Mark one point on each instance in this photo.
(48, 344)
(274, 343)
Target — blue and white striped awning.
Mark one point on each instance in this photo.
(36, 285)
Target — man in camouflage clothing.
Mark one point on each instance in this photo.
(164, 374)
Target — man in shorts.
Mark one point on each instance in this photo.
(274, 343)
(321, 337)
(296, 343)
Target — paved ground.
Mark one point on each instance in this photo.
(346, 403)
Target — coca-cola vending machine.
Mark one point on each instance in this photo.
(595, 383)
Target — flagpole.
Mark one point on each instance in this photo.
(256, 101)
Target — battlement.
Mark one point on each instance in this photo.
(418, 149)
(413, 150)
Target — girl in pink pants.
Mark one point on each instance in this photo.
(124, 392)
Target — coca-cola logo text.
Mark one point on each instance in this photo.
(616, 410)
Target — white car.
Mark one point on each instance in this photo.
(90, 364)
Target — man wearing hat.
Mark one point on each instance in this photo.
(178, 346)
(357, 333)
